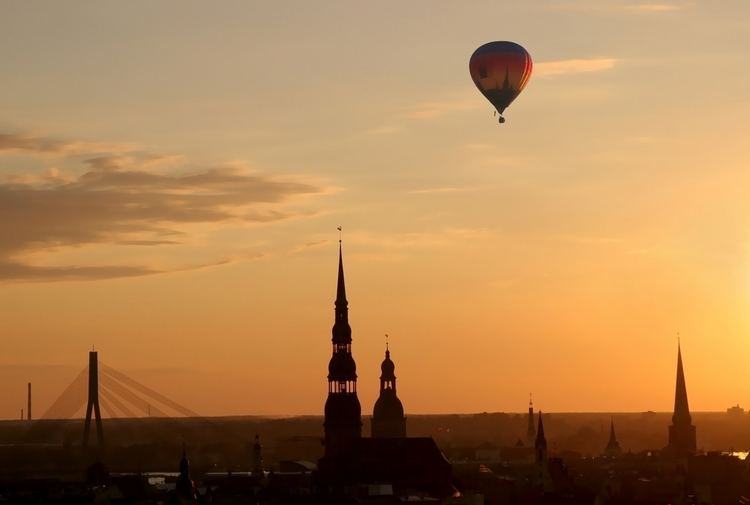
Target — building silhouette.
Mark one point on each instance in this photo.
(541, 458)
(388, 420)
(185, 491)
(681, 432)
(350, 460)
(257, 457)
(613, 446)
(530, 430)
(343, 422)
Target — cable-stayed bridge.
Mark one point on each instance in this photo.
(118, 396)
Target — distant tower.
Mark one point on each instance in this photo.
(541, 457)
(540, 444)
(613, 446)
(257, 457)
(343, 423)
(93, 402)
(28, 406)
(681, 432)
(388, 419)
(530, 430)
(185, 487)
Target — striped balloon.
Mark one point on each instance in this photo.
(500, 70)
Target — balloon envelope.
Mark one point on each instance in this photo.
(500, 70)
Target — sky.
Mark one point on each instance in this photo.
(172, 175)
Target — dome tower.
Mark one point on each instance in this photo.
(388, 419)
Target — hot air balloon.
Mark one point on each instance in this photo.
(500, 70)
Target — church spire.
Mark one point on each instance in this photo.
(343, 423)
(530, 430)
(341, 287)
(681, 410)
(613, 446)
(540, 448)
(342, 332)
(682, 439)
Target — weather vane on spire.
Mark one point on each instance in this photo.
(386, 341)
(339, 229)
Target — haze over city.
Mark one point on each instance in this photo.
(172, 177)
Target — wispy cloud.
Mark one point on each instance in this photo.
(130, 201)
(434, 109)
(440, 190)
(45, 145)
(615, 8)
(651, 8)
(573, 66)
(383, 130)
(313, 244)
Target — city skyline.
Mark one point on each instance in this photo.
(173, 198)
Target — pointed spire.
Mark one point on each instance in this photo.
(681, 410)
(613, 446)
(341, 287)
(387, 351)
(342, 332)
(530, 429)
(541, 440)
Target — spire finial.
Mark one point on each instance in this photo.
(531, 403)
(386, 341)
(339, 229)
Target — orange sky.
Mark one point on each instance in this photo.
(172, 175)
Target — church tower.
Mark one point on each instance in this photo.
(681, 432)
(541, 456)
(388, 419)
(530, 431)
(613, 446)
(343, 423)
(185, 487)
(540, 445)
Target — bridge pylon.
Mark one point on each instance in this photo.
(93, 402)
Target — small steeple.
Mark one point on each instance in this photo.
(613, 446)
(541, 440)
(540, 448)
(388, 420)
(530, 430)
(185, 487)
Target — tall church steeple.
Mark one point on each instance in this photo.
(682, 441)
(388, 419)
(343, 421)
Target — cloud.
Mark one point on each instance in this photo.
(617, 8)
(383, 130)
(314, 244)
(44, 145)
(123, 201)
(440, 190)
(434, 109)
(650, 8)
(573, 66)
